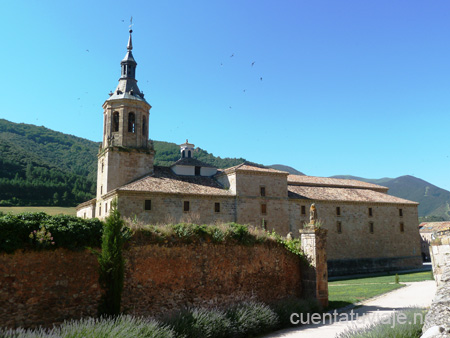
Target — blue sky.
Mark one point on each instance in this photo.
(348, 87)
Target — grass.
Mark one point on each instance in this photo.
(349, 291)
(48, 210)
(403, 278)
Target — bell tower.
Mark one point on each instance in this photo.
(126, 153)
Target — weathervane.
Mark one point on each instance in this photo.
(131, 24)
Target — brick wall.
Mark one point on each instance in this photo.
(41, 288)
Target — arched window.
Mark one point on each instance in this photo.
(116, 121)
(189, 153)
(131, 122)
(144, 126)
(183, 155)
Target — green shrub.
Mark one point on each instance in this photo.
(121, 326)
(412, 327)
(286, 307)
(252, 318)
(240, 233)
(207, 323)
(67, 231)
(111, 264)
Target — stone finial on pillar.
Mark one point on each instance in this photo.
(315, 276)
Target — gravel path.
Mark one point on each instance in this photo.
(417, 294)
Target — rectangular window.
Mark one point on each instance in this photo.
(371, 227)
(262, 191)
(101, 190)
(99, 210)
(402, 227)
(216, 207)
(186, 206)
(303, 210)
(148, 205)
(338, 211)
(370, 212)
(197, 171)
(84, 215)
(264, 224)
(400, 212)
(339, 227)
(106, 208)
(263, 209)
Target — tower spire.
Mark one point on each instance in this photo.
(130, 43)
(127, 87)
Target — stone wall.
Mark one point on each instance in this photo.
(440, 256)
(169, 209)
(41, 288)
(437, 320)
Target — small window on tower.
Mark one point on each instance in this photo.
(103, 164)
(186, 206)
(116, 121)
(370, 212)
(402, 227)
(183, 154)
(339, 227)
(338, 211)
(262, 191)
(99, 210)
(371, 227)
(148, 205)
(189, 153)
(106, 208)
(197, 171)
(400, 212)
(216, 207)
(131, 123)
(144, 126)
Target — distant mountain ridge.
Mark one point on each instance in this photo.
(39, 166)
(434, 201)
(287, 168)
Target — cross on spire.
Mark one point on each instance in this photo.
(131, 24)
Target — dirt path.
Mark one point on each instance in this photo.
(417, 294)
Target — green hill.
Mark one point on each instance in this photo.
(39, 166)
(434, 201)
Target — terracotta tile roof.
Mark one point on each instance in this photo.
(333, 182)
(87, 203)
(165, 181)
(343, 194)
(192, 162)
(252, 167)
(434, 226)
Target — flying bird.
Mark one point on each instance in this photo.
(260, 78)
(87, 50)
(232, 55)
(253, 63)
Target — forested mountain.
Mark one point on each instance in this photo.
(434, 201)
(39, 166)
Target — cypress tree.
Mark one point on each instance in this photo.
(112, 264)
